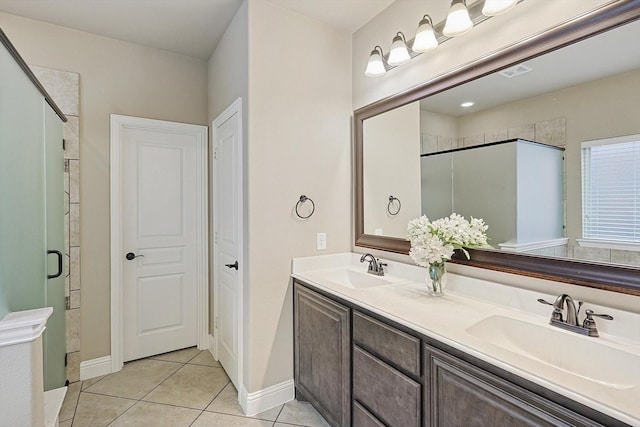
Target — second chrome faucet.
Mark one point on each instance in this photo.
(565, 316)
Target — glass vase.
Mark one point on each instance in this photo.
(437, 279)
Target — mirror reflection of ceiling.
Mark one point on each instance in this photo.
(588, 60)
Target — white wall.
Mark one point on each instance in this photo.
(120, 78)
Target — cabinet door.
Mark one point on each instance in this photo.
(322, 354)
(460, 394)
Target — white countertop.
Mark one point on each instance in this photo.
(468, 301)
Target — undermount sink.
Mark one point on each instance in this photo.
(586, 357)
(352, 279)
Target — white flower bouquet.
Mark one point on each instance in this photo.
(433, 242)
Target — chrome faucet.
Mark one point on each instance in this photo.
(570, 321)
(375, 266)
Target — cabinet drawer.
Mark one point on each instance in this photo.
(393, 397)
(363, 418)
(389, 343)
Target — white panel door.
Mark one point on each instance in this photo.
(228, 235)
(159, 241)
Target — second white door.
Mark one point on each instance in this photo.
(159, 238)
(228, 242)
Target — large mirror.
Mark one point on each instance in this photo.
(521, 156)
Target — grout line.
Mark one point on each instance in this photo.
(217, 394)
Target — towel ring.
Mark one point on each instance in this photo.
(391, 200)
(302, 201)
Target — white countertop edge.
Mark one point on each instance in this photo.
(23, 326)
(594, 404)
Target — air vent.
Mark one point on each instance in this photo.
(515, 71)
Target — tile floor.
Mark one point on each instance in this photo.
(183, 388)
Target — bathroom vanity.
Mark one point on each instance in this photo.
(376, 351)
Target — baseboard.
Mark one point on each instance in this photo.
(95, 367)
(267, 398)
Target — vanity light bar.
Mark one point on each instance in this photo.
(378, 63)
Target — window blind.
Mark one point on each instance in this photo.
(611, 189)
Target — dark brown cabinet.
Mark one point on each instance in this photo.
(374, 372)
(322, 330)
(460, 394)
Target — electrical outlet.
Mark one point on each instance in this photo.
(321, 241)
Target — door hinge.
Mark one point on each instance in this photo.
(215, 237)
(65, 359)
(215, 154)
(64, 144)
(215, 322)
(66, 165)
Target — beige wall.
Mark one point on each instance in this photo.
(527, 18)
(298, 143)
(115, 77)
(392, 167)
(228, 80)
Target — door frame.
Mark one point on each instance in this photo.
(119, 122)
(234, 108)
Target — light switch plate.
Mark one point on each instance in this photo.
(321, 241)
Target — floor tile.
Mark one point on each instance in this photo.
(193, 386)
(227, 403)
(301, 413)
(136, 379)
(180, 356)
(95, 410)
(70, 401)
(91, 381)
(156, 415)
(205, 358)
(213, 419)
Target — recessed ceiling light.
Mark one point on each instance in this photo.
(467, 104)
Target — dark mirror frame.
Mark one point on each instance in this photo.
(623, 279)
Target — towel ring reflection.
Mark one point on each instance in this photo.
(390, 205)
(302, 201)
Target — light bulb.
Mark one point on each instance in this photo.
(375, 66)
(399, 53)
(425, 39)
(458, 19)
(497, 7)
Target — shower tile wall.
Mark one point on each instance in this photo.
(63, 86)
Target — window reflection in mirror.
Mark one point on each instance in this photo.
(583, 92)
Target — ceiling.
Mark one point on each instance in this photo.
(604, 55)
(188, 27)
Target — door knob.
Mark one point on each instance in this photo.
(130, 256)
(234, 265)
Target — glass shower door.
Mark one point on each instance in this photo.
(55, 334)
